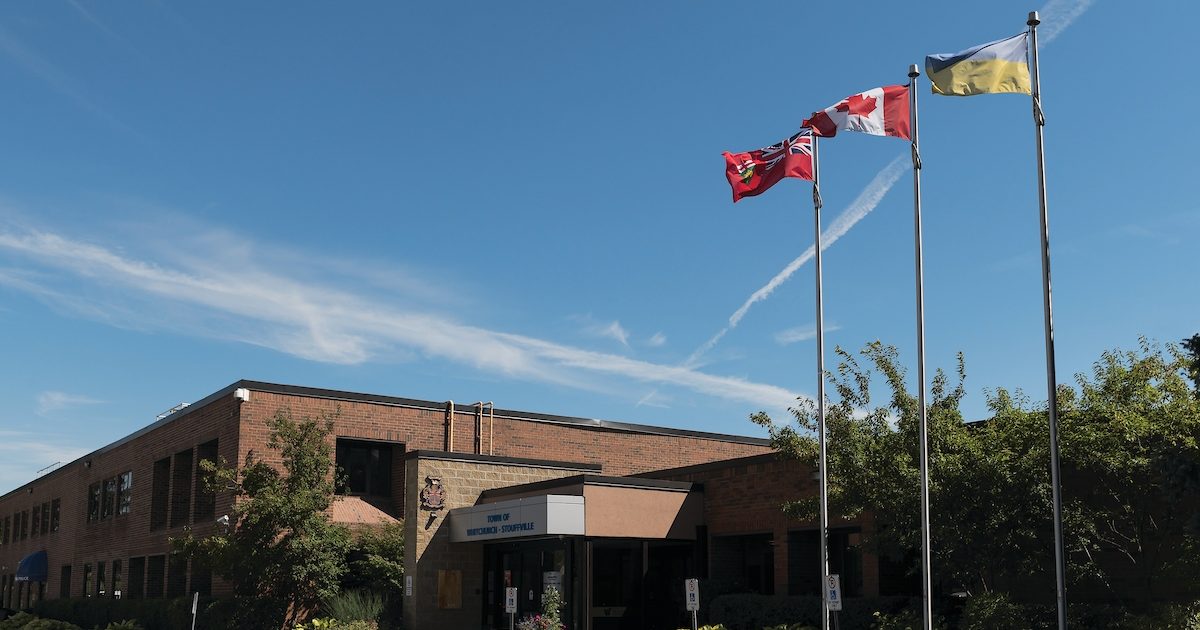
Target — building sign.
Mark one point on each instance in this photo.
(545, 515)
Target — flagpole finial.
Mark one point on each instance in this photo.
(913, 72)
(1033, 20)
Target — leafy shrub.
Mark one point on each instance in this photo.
(151, 614)
(17, 621)
(50, 624)
(334, 624)
(994, 610)
(124, 624)
(748, 611)
(356, 605)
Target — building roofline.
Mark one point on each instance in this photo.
(761, 458)
(431, 405)
(592, 480)
(395, 401)
(499, 459)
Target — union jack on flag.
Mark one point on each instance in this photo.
(753, 172)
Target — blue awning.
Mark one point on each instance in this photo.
(32, 568)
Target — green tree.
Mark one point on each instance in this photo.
(281, 553)
(1191, 346)
(1131, 475)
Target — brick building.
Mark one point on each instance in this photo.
(613, 515)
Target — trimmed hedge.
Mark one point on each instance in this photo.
(749, 611)
(151, 614)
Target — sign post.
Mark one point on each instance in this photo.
(833, 591)
(195, 607)
(691, 591)
(510, 605)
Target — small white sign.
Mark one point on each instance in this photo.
(833, 591)
(408, 586)
(691, 590)
(510, 600)
(551, 580)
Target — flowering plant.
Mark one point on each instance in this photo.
(549, 619)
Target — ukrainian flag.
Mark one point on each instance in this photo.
(994, 68)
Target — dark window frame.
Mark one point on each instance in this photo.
(364, 467)
(124, 493)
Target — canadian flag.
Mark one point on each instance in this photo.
(882, 111)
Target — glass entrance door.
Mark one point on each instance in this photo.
(531, 567)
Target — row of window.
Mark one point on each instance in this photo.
(18, 527)
(148, 577)
(175, 481)
(110, 497)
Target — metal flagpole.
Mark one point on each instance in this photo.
(1051, 380)
(923, 427)
(822, 458)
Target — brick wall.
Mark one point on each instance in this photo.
(117, 537)
(240, 428)
(745, 497)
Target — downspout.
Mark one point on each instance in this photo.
(479, 406)
(449, 426)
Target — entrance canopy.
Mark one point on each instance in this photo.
(32, 568)
(544, 515)
(583, 505)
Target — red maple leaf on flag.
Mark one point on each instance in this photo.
(857, 105)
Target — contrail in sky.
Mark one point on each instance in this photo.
(859, 208)
(1056, 16)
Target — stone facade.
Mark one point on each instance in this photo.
(427, 534)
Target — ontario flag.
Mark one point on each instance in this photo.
(753, 172)
(882, 111)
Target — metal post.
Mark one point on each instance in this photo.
(923, 426)
(1051, 380)
(822, 467)
(694, 626)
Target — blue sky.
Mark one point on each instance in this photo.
(525, 203)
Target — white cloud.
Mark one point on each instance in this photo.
(1057, 15)
(22, 454)
(800, 333)
(657, 340)
(862, 205)
(653, 399)
(292, 312)
(50, 401)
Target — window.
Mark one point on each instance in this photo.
(37, 519)
(87, 580)
(116, 579)
(108, 503)
(64, 581)
(54, 514)
(181, 488)
(4, 529)
(137, 578)
(124, 492)
(206, 501)
(93, 502)
(100, 590)
(45, 518)
(364, 468)
(24, 524)
(160, 493)
(177, 575)
(156, 570)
